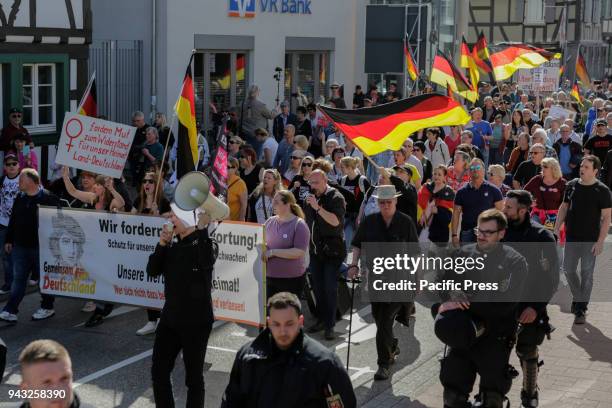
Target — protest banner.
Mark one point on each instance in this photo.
(544, 78)
(95, 145)
(559, 112)
(103, 256)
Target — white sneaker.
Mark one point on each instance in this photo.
(42, 314)
(8, 317)
(4, 292)
(33, 282)
(89, 307)
(148, 328)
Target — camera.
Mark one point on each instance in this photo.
(277, 73)
(278, 69)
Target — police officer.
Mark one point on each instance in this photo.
(479, 326)
(185, 256)
(283, 367)
(538, 246)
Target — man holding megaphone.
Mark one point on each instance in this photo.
(185, 256)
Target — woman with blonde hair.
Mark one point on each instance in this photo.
(547, 189)
(287, 238)
(236, 191)
(260, 206)
(300, 142)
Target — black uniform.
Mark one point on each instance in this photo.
(496, 311)
(541, 284)
(373, 229)
(263, 376)
(187, 317)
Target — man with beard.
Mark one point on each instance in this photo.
(537, 245)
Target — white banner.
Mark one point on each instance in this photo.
(544, 78)
(95, 145)
(559, 112)
(103, 256)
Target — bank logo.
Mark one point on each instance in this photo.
(242, 8)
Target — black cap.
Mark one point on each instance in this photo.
(15, 110)
(601, 122)
(456, 329)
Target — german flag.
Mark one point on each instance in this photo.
(467, 61)
(89, 103)
(466, 55)
(507, 58)
(444, 72)
(187, 148)
(581, 71)
(575, 92)
(480, 53)
(410, 64)
(386, 127)
(224, 83)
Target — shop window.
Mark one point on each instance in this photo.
(221, 82)
(38, 97)
(306, 78)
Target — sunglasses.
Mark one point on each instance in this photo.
(16, 115)
(11, 164)
(148, 181)
(230, 167)
(306, 164)
(233, 142)
(476, 168)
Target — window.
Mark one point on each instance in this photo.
(38, 98)
(306, 78)
(534, 12)
(220, 81)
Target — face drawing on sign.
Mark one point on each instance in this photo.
(67, 241)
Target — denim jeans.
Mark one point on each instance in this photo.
(349, 231)
(24, 260)
(580, 285)
(325, 274)
(7, 260)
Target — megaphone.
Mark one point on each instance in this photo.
(193, 191)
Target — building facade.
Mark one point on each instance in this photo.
(44, 46)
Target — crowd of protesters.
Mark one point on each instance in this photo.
(319, 198)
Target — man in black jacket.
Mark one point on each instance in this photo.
(186, 264)
(538, 246)
(492, 315)
(22, 243)
(389, 226)
(283, 367)
(283, 119)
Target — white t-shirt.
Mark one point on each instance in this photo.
(262, 215)
(10, 188)
(271, 144)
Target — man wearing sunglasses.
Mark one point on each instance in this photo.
(529, 168)
(14, 128)
(472, 199)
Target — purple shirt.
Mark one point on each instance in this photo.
(286, 235)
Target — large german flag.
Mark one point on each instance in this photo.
(480, 54)
(89, 103)
(386, 127)
(410, 64)
(187, 148)
(507, 58)
(444, 72)
(582, 72)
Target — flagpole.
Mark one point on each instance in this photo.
(170, 131)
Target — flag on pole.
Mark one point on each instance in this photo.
(444, 72)
(467, 61)
(89, 103)
(581, 71)
(411, 67)
(385, 127)
(506, 58)
(575, 92)
(187, 139)
(480, 54)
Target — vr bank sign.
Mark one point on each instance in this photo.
(247, 8)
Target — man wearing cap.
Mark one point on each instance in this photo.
(388, 225)
(601, 142)
(336, 97)
(14, 128)
(9, 187)
(285, 118)
(540, 285)
(471, 200)
(479, 325)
